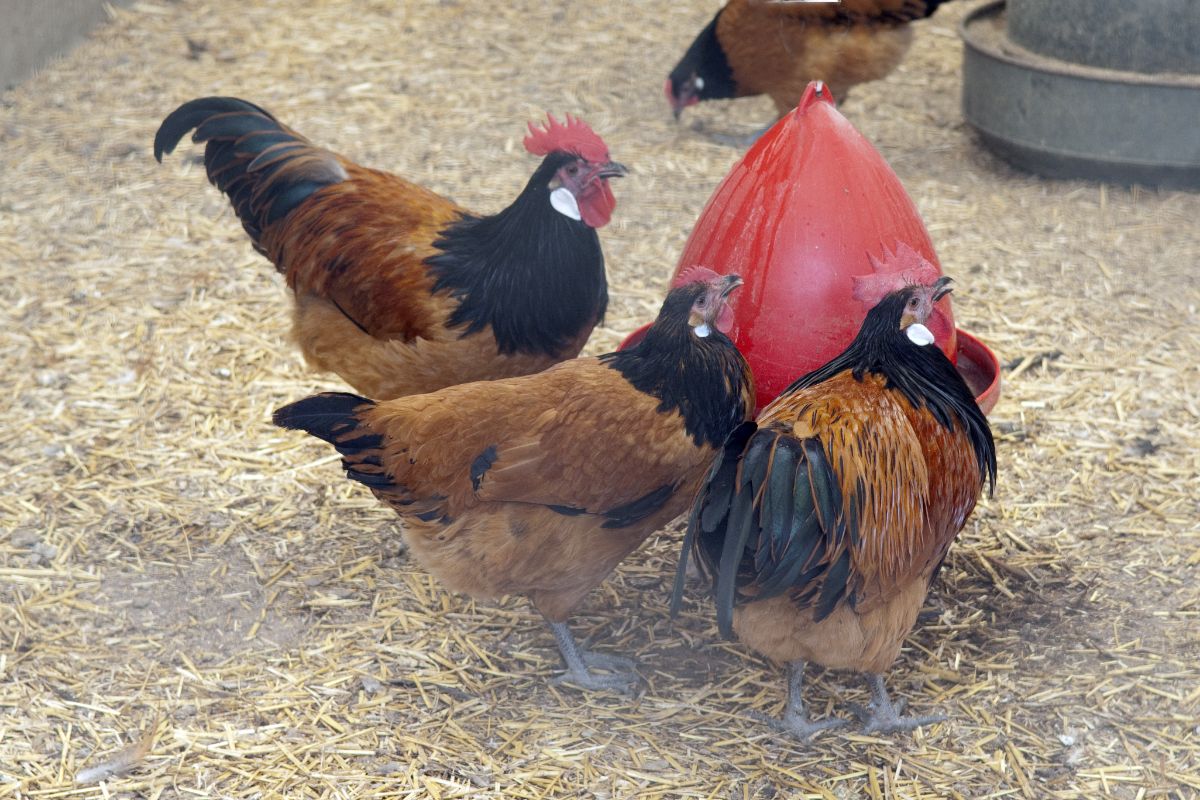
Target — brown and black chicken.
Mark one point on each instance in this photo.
(776, 47)
(540, 485)
(824, 522)
(397, 289)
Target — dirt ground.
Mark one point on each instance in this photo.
(191, 591)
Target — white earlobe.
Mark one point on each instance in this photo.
(564, 203)
(702, 330)
(919, 334)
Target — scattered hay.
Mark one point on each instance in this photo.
(173, 567)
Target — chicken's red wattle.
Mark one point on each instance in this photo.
(596, 203)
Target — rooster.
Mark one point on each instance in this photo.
(539, 485)
(776, 47)
(397, 289)
(824, 522)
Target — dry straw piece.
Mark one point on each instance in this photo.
(172, 566)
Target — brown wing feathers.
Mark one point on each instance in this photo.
(463, 454)
(359, 244)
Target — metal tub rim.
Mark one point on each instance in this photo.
(1043, 63)
(1063, 120)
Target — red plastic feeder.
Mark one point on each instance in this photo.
(819, 227)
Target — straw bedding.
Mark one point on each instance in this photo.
(196, 604)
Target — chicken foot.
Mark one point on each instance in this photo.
(884, 716)
(579, 662)
(795, 717)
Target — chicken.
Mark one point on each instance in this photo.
(396, 289)
(776, 48)
(824, 522)
(539, 485)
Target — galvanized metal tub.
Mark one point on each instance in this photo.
(1063, 119)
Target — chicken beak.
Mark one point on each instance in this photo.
(689, 95)
(730, 282)
(612, 169)
(942, 287)
(719, 313)
(676, 106)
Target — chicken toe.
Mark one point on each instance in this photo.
(795, 717)
(612, 663)
(798, 725)
(884, 716)
(621, 672)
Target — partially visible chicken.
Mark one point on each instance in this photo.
(776, 47)
(824, 522)
(398, 290)
(540, 485)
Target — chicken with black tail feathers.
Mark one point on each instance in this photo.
(823, 523)
(541, 485)
(395, 288)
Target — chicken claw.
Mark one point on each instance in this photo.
(798, 725)
(622, 682)
(795, 717)
(623, 675)
(612, 663)
(884, 716)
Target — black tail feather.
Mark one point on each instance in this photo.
(710, 508)
(194, 113)
(332, 417)
(932, 6)
(768, 512)
(743, 521)
(265, 169)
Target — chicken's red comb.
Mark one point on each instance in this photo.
(893, 270)
(695, 274)
(572, 137)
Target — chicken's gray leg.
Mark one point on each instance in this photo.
(883, 716)
(622, 675)
(795, 717)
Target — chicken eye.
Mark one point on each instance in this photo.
(573, 169)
